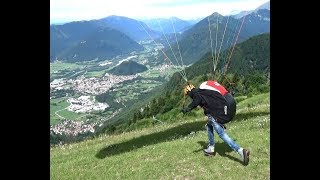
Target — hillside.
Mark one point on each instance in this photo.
(246, 80)
(128, 68)
(250, 55)
(172, 150)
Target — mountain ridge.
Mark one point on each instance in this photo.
(195, 42)
(101, 44)
(68, 36)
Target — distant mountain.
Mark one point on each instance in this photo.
(195, 42)
(100, 44)
(136, 30)
(67, 35)
(243, 13)
(264, 6)
(257, 22)
(128, 68)
(64, 38)
(194, 21)
(168, 25)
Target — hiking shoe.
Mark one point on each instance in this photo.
(246, 154)
(209, 151)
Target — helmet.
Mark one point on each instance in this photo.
(188, 88)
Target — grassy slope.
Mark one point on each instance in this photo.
(172, 151)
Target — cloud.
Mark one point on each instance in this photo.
(71, 10)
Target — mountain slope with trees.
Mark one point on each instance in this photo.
(195, 42)
(67, 36)
(250, 55)
(101, 44)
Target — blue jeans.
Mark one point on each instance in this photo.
(212, 124)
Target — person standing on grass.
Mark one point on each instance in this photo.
(220, 107)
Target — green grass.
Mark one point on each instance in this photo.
(172, 150)
(56, 105)
(152, 73)
(59, 104)
(96, 73)
(63, 66)
(132, 90)
(71, 115)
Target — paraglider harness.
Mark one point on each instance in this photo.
(229, 109)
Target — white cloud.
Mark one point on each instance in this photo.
(75, 10)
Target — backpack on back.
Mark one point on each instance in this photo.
(230, 108)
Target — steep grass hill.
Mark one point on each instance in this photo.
(172, 149)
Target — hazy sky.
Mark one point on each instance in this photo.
(77, 10)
